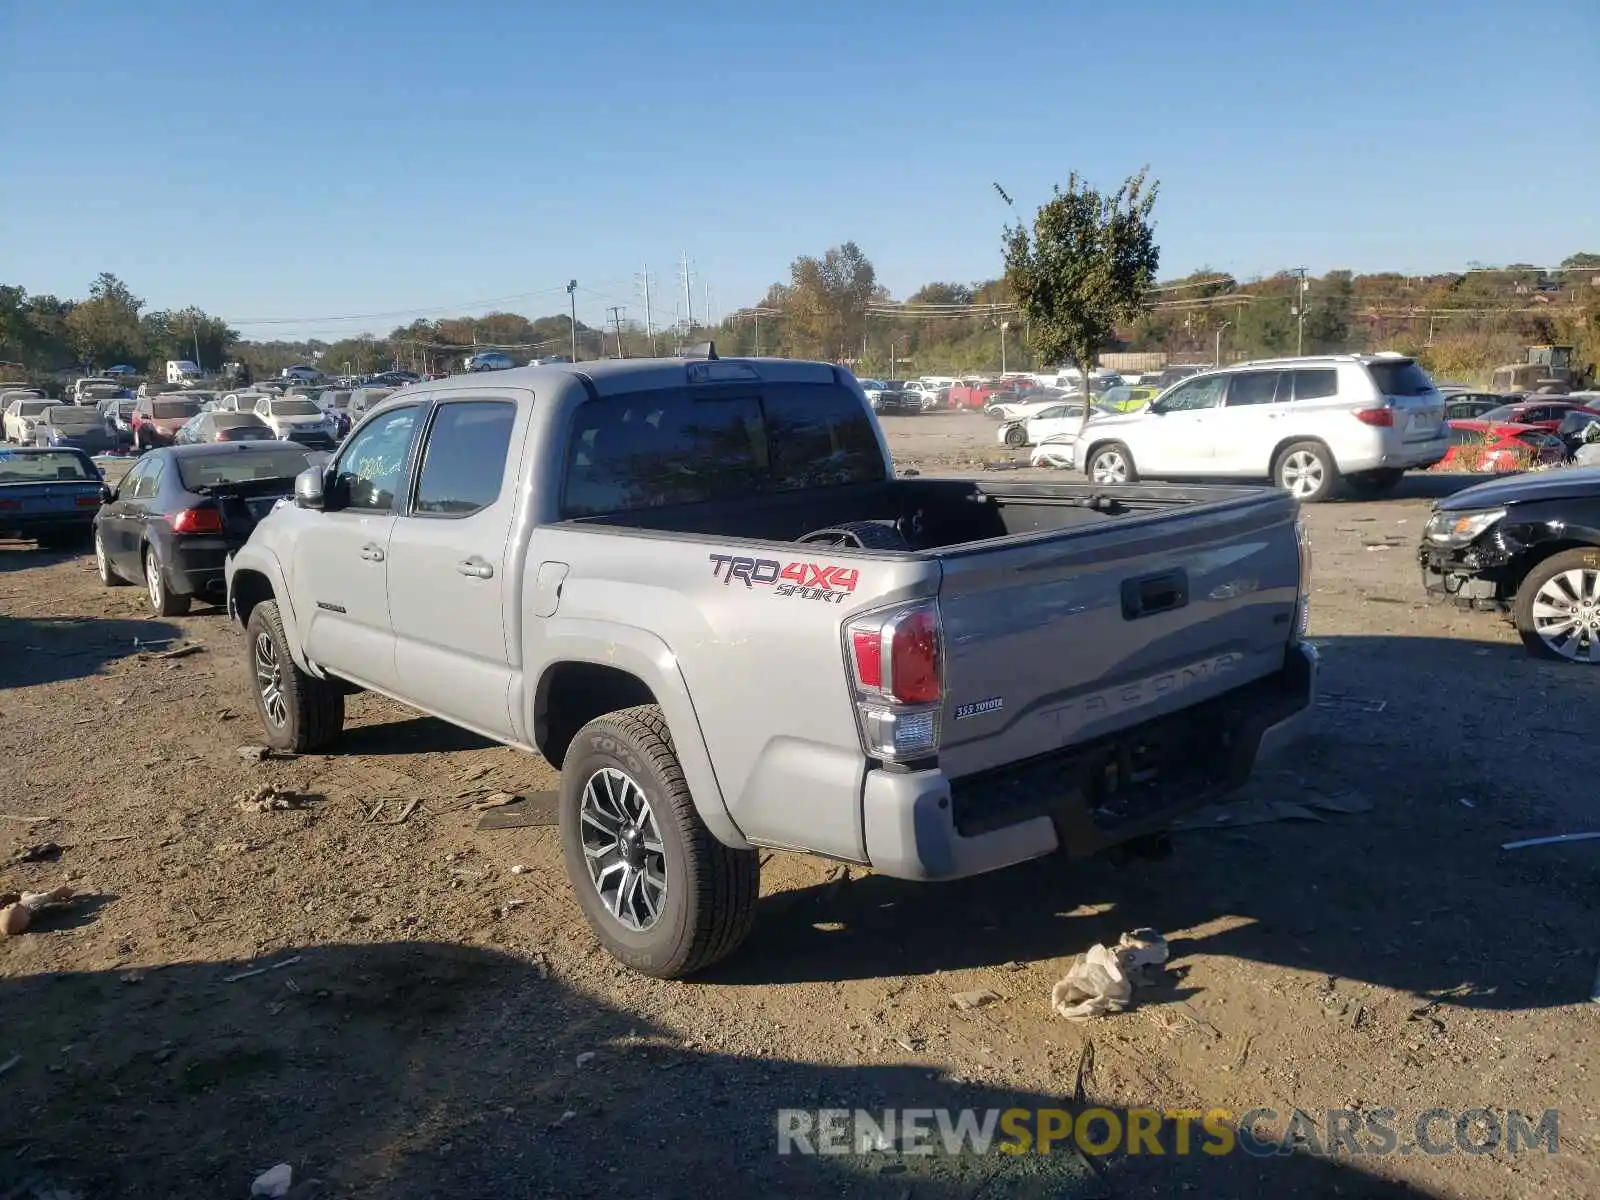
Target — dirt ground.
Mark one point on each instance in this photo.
(419, 1026)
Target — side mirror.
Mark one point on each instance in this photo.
(107, 494)
(308, 489)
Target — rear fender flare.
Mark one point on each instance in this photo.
(252, 560)
(648, 658)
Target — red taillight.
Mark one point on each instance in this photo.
(1381, 417)
(867, 645)
(88, 501)
(914, 658)
(196, 520)
(898, 655)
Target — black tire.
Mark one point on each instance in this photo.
(312, 710)
(1585, 559)
(710, 889)
(164, 602)
(102, 565)
(1104, 457)
(859, 535)
(1306, 471)
(1372, 484)
(1017, 435)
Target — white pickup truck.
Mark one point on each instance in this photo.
(697, 588)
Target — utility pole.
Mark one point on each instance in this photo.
(194, 326)
(572, 296)
(1300, 310)
(1005, 325)
(705, 290)
(616, 311)
(649, 327)
(1218, 356)
(688, 291)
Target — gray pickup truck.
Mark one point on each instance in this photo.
(697, 587)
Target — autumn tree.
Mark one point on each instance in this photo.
(826, 302)
(1087, 266)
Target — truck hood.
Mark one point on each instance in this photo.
(1571, 484)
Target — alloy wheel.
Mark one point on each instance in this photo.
(269, 680)
(1110, 467)
(153, 582)
(622, 848)
(1566, 615)
(1302, 474)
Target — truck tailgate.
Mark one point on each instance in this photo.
(1084, 632)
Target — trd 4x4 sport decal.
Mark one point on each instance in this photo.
(806, 580)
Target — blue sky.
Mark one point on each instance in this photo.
(311, 160)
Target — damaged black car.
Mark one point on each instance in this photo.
(1527, 546)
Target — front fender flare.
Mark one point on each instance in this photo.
(644, 655)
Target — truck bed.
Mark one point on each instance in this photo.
(1073, 616)
(951, 514)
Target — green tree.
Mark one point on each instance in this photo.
(1087, 266)
(1330, 307)
(105, 328)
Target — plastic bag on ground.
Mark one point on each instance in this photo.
(1102, 980)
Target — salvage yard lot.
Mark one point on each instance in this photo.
(425, 1040)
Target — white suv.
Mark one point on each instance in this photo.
(1304, 423)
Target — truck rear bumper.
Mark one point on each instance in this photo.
(921, 826)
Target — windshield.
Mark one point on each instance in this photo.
(65, 416)
(172, 410)
(293, 408)
(336, 399)
(42, 466)
(234, 466)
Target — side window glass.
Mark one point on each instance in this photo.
(373, 464)
(1316, 385)
(1253, 387)
(464, 461)
(1196, 394)
(149, 483)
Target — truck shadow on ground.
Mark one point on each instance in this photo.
(418, 1069)
(1395, 897)
(37, 650)
(408, 735)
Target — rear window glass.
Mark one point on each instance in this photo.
(32, 408)
(65, 416)
(168, 410)
(295, 408)
(680, 447)
(233, 420)
(1505, 412)
(34, 467)
(1400, 377)
(233, 466)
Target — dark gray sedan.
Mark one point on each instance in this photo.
(71, 426)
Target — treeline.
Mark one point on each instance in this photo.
(833, 308)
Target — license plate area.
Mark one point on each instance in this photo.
(1134, 782)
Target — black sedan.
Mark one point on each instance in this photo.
(182, 510)
(1528, 545)
(73, 427)
(48, 494)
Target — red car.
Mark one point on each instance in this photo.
(972, 393)
(1544, 412)
(1495, 446)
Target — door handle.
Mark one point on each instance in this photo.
(372, 553)
(475, 567)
